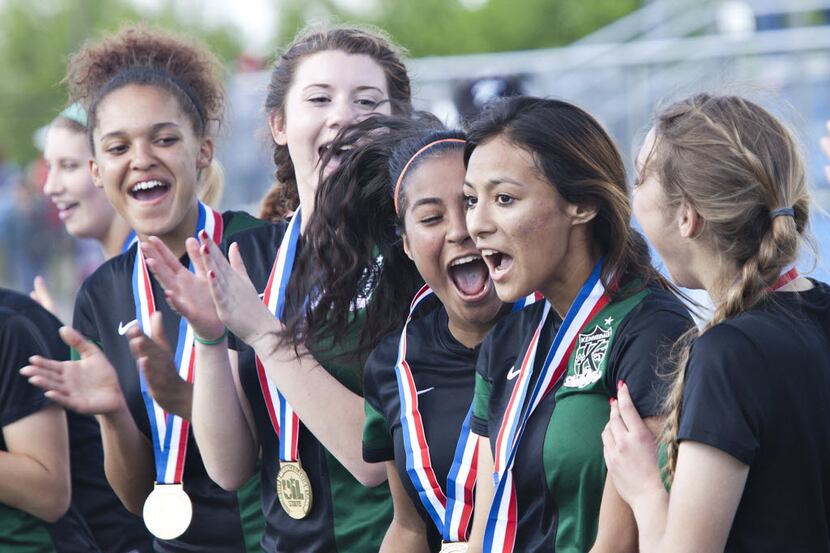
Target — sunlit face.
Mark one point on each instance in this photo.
(437, 240)
(82, 207)
(659, 219)
(148, 158)
(519, 222)
(330, 90)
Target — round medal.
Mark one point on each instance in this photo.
(167, 511)
(294, 489)
(454, 547)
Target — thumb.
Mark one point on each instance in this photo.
(76, 341)
(157, 324)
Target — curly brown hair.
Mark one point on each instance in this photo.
(138, 55)
(282, 198)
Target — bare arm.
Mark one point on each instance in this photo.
(34, 471)
(485, 491)
(406, 533)
(90, 385)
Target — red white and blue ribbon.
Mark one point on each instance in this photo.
(451, 512)
(131, 239)
(788, 275)
(500, 532)
(526, 301)
(169, 431)
(285, 421)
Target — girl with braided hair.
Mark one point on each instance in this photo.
(722, 195)
(154, 102)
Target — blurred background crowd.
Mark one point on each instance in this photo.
(618, 59)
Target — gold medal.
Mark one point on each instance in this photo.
(167, 511)
(454, 547)
(294, 489)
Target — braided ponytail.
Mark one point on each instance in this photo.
(733, 163)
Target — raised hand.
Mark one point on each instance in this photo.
(43, 296)
(155, 359)
(237, 302)
(630, 450)
(89, 385)
(188, 293)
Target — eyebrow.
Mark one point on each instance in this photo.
(426, 201)
(360, 88)
(153, 129)
(492, 183)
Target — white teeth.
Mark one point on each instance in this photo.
(147, 185)
(489, 252)
(346, 148)
(465, 259)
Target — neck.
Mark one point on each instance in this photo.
(113, 240)
(306, 195)
(174, 240)
(466, 333)
(562, 289)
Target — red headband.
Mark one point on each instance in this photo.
(413, 158)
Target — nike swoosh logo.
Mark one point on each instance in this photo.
(513, 372)
(122, 328)
(425, 390)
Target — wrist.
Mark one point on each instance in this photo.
(211, 341)
(652, 499)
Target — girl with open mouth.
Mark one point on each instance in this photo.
(547, 207)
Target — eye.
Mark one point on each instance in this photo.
(429, 220)
(68, 165)
(470, 202)
(167, 140)
(504, 199)
(116, 149)
(318, 99)
(367, 103)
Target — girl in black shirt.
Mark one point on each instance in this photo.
(722, 195)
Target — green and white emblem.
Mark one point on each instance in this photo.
(590, 353)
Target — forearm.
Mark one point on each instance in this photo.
(332, 412)
(485, 491)
(400, 538)
(225, 440)
(650, 512)
(128, 459)
(39, 487)
(178, 401)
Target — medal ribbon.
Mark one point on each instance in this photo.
(285, 421)
(500, 532)
(169, 431)
(789, 275)
(451, 513)
(132, 238)
(527, 300)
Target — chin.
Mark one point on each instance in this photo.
(508, 293)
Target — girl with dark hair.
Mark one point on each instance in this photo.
(152, 101)
(722, 196)
(548, 209)
(295, 395)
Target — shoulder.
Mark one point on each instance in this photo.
(654, 313)
(238, 221)
(381, 362)
(264, 237)
(506, 339)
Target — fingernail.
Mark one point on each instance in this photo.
(204, 248)
(203, 234)
(620, 384)
(611, 401)
(211, 274)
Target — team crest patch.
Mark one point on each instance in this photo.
(590, 353)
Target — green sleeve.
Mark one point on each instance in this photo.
(481, 406)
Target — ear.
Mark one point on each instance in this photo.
(205, 156)
(406, 248)
(689, 221)
(581, 214)
(95, 171)
(276, 122)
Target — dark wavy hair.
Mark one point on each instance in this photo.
(352, 245)
(282, 198)
(578, 158)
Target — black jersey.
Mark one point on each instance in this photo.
(345, 516)
(20, 531)
(559, 471)
(758, 388)
(222, 521)
(115, 529)
(444, 373)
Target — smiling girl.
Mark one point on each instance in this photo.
(152, 101)
(548, 209)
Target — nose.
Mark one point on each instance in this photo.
(53, 185)
(142, 156)
(343, 113)
(457, 232)
(479, 222)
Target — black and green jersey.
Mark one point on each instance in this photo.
(758, 388)
(115, 529)
(20, 531)
(222, 521)
(444, 374)
(559, 472)
(345, 516)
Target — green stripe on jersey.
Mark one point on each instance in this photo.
(249, 498)
(481, 398)
(20, 532)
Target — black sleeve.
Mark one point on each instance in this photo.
(379, 368)
(720, 407)
(483, 387)
(641, 354)
(19, 340)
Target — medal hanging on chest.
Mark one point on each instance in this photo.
(293, 485)
(168, 511)
(451, 512)
(500, 531)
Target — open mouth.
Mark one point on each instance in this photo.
(149, 190)
(65, 209)
(497, 262)
(469, 275)
(331, 158)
